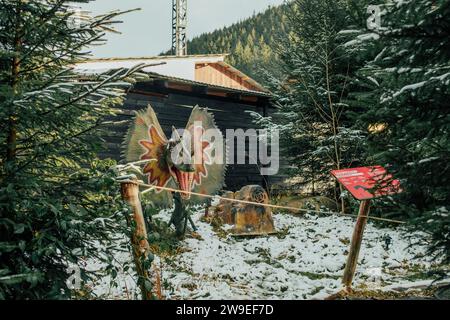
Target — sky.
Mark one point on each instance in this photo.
(148, 31)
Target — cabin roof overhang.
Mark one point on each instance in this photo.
(196, 86)
(178, 74)
(160, 84)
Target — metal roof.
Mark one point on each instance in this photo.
(214, 55)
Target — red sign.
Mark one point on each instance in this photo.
(367, 182)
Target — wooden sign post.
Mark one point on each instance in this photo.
(352, 259)
(139, 242)
(364, 184)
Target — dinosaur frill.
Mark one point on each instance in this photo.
(192, 160)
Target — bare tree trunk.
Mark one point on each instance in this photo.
(334, 128)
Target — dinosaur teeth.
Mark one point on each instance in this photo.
(184, 180)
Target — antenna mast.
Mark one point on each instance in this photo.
(179, 27)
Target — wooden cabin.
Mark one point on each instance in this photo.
(175, 86)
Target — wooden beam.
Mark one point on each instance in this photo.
(149, 93)
(250, 98)
(234, 95)
(217, 93)
(180, 86)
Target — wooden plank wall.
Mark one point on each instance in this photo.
(216, 74)
(174, 109)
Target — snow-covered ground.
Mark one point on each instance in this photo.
(304, 261)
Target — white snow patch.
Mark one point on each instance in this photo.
(305, 261)
(362, 38)
(416, 86)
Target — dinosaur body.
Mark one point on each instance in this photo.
(189, 161)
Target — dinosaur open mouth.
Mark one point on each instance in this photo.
(184, 180)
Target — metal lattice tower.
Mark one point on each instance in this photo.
(179, 27)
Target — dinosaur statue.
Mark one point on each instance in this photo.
(189, 161)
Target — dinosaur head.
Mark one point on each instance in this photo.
(179, 162)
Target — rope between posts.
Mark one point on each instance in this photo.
(273, 206)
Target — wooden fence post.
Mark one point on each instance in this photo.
(352, 259)
(139, 242)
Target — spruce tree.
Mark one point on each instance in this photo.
(313, 115)
(57, 201)
(408, 110)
